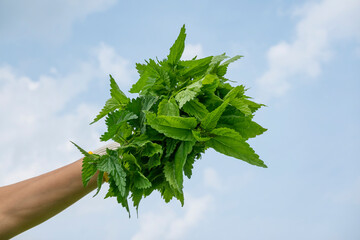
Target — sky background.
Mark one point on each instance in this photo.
(302, 59)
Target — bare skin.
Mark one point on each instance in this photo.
(26, 204)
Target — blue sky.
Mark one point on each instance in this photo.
(302, 59)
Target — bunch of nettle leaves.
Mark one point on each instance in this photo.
(183, 108)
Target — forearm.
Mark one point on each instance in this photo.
(28, 203)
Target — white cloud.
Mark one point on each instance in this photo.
(39, 116)
(321, 24)
(154, 225)
(212, 179)
(112, 63)
(192, 50)
(167, 225)
(194, 212)
(33, 133)
(45, 20)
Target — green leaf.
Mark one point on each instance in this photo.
(241, 105)
(86, 154)
(253, 105)
(124, 202)
(110, 105)
(210, 121)
(209, 79)
(114, 121)
(195, 108)
(185, 96)
(222, 69)
(236, 99)
(245, 126)
(173, 121)
(179, 196)
(88, 170)
(231, 60)
(211, 101)
(123, 133)
(151, 148)
(215, 61)
(229, 142)
(167, 192)
(236, 92)
(118, 98)
(196, 152)
(209, 83)
(170, 146)
(147, 102)
(188, 94)
(100, 178)
(146, 81)
(116, 93)
(169, 172)
(223, 89)
(110, 163)
(188, 166)
(168, 108)
(198, 137)
(154, 161)
(136, 196)
(140, 181)
(134, 106)
(194, 68)
(141, 140)
(177, 48)
(129, 158)
(155, 80)
(141, 68)
(171, 126)
(180, 159)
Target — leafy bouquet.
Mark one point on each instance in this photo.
(183, 108)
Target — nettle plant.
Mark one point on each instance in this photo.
(183, 108)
